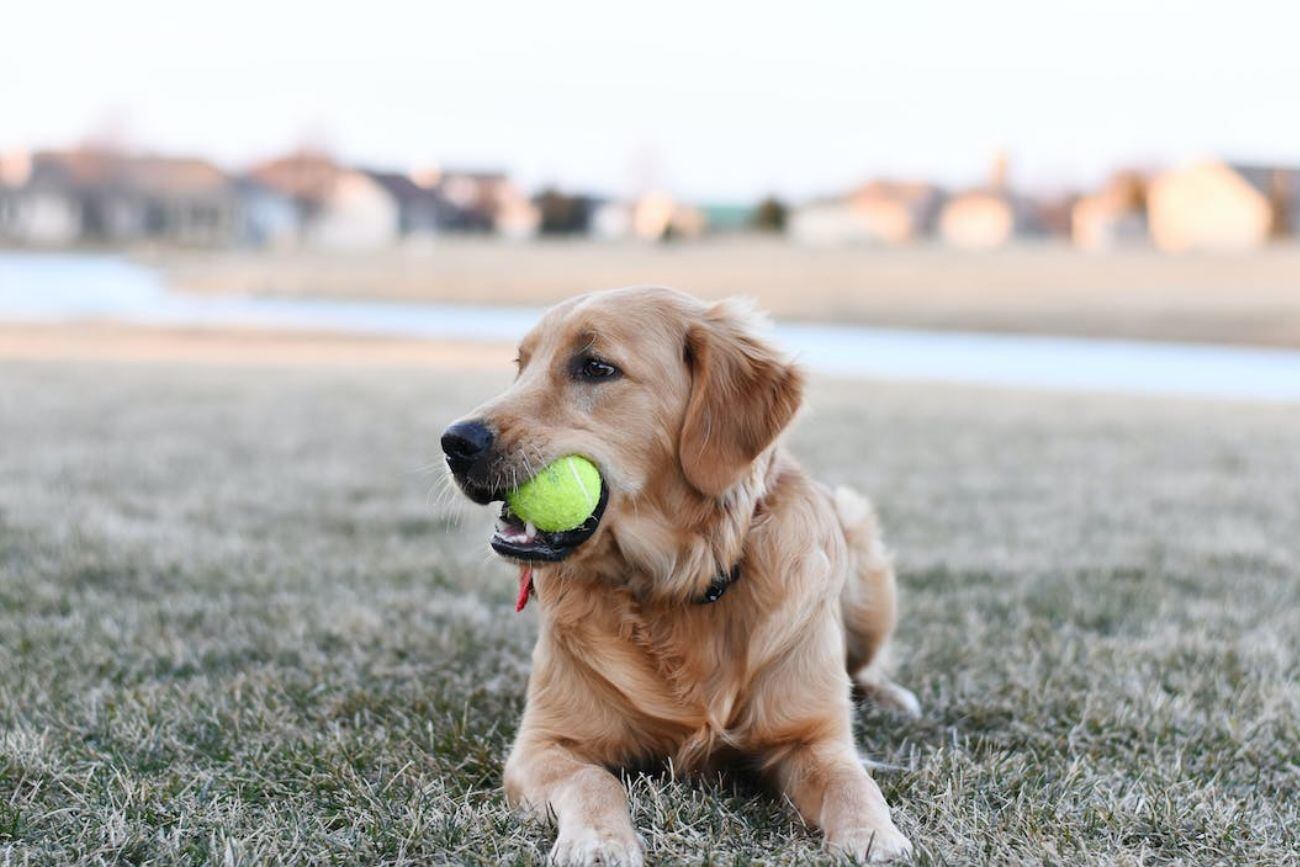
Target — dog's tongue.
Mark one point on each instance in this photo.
(525, 587)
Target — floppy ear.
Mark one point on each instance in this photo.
(743, 393)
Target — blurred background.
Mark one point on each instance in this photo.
(1041, 259)
(1101, 169)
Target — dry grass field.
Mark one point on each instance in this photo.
(1049, 288)
(239, 623)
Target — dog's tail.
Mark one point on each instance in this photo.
(869, 601)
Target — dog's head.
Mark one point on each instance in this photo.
(672, 399)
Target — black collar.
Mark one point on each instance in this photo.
(719, 585)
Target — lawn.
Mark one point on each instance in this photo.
(240, 622)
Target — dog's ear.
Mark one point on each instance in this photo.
(743, 393)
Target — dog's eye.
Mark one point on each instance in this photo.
(589, 367)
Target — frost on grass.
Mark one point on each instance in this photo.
(242, 619)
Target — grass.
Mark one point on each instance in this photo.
(238, 624)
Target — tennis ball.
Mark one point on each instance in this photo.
(560, 497)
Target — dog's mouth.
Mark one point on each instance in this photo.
(516, 539)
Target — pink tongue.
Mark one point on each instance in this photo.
(525, 587)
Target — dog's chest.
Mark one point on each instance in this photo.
(679, 678)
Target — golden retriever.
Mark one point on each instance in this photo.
(717, 605)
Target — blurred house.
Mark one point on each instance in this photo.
(38, 208)
(101, 196)
(180, 200)
(422, 212)
(978, 220)
(657, 216)
(356, 213)
(611, 221)
(990, 217)
(825, 222)
(652, 214)
(516, 217)
(1115, 216)
(478, 199)
(474, 198)
(267, 218)
(687, 221)
(482, 201)
(338, 208)
(305, 176)
(1054, 214)
(727, 219)
(1214, 205)
(879, 212)
(897, 212)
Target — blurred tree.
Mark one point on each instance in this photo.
(770, 215)
(563, 214)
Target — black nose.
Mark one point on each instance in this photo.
(466, 441)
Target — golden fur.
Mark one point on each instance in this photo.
(629, 668)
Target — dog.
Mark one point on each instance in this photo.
(719, 606)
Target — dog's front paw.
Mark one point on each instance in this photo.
(872, 845)
(586, 846)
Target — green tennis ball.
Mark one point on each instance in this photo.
(560, 497)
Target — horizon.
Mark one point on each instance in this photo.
(731, 108)
(419, 174)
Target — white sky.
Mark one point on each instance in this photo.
(714, 100)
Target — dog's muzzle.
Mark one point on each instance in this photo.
(470, 457)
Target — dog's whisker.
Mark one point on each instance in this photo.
(431, 467)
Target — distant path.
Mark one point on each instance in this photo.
(64, 290)
(1251, 299)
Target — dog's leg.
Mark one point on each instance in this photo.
(830, 788)
(587, 801)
